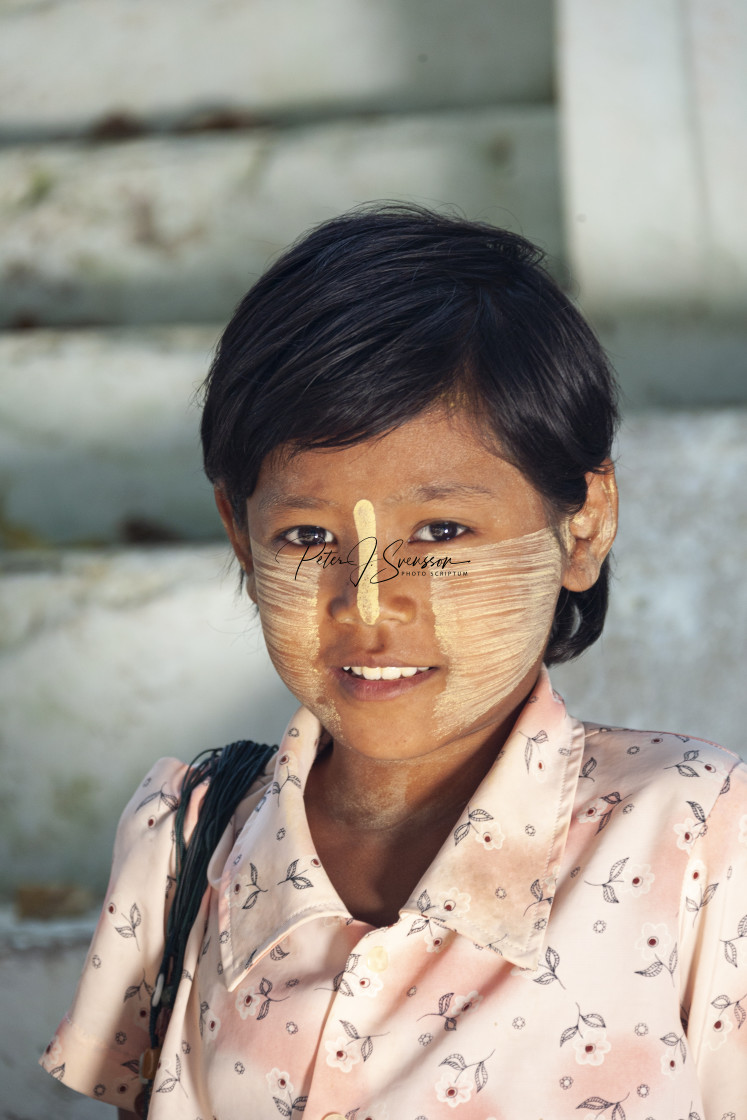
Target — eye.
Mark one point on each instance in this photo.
(307, 536)
(440, 531)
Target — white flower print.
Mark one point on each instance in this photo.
(550, 882)
(278, 1081)
(538, 770)
(719, 1029)
(591, 1047)
(593, 811)
(435, 939)
(245, 890)
(696, 871)
(637, 880)
(341, 1053)
(248, 1001)
(452, 1093)
(655, 941)
(492, 838)
(743, 829)
(464, 1004)
(687, 833)
(367, 983)
(450, 902)
(669, 1065)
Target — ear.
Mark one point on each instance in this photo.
(239, 538)
(592, 530)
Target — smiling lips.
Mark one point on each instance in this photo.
(384, 673)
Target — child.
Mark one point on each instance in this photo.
(445, 894)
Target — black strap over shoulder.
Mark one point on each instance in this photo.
(230, 772)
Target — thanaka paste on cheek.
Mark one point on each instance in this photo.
(287, 602)
(368, 592)
(493, 623)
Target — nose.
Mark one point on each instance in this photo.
(381, 596)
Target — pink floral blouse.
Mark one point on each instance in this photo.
(578, 948)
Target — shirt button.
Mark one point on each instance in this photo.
(377, 959)
(334, 1116)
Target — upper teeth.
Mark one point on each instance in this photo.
(387, 673)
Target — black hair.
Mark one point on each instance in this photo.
(379, 314)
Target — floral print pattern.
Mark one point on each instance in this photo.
(563, 956)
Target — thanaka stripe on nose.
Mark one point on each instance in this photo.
(368, 592)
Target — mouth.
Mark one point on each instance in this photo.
(384, 672)
(381, 682)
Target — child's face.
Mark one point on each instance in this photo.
(459, 652)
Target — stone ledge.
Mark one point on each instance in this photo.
(23, 936)
(229, 60)
(109, 234)
(99, 434)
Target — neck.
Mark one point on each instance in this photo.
(364, 794)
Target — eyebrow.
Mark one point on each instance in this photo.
(436, 492)
(277, 502)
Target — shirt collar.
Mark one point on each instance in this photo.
(492, 880)
(494, 877)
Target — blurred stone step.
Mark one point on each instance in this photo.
(653, 99)
(99, 429)
(673, 652)
(212, 61)
(40, 964)
(109, 660)
(176, 229)
(99, 436)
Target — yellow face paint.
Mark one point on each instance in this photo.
(493, 623)
(287, 602)
(368, 592)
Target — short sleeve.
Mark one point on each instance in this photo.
(97, 1046)
(714, 950)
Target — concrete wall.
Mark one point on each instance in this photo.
(653, 105)
(188, 64)
(177, 228)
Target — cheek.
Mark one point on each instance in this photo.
(288, 610)
(493, 623)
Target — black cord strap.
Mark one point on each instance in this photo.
(230, 772)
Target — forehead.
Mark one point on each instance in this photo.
(440, 455)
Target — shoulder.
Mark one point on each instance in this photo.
(149, 813)
(671, 772)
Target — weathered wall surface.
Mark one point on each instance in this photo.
(176, 229)
(653, 104)
(191, 63)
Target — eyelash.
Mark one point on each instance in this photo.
(287, 536)
(290, 536)
(441, 525)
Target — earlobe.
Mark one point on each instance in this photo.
(239, 539)
(592, 530)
